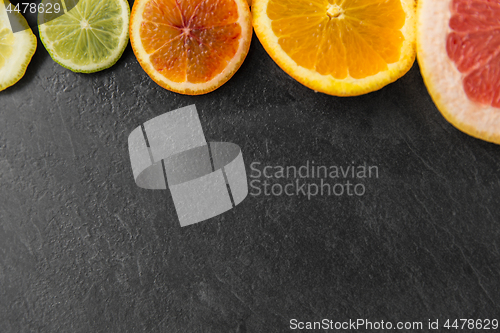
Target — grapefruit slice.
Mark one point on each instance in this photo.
(16, 49)
(458, 45)
(338, 47)
(190, 46)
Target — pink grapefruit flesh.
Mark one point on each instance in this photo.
(474, 46)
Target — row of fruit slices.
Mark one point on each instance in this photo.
(338, 47)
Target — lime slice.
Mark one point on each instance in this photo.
(90, 37)
(16, 49)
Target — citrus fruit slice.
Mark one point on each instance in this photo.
(190, 46)
(459, 55)
(88, 38)
(16, 49)
(338, 47)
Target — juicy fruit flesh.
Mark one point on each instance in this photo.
(88, 33)
(474, 47)
(190, 40)
(358, 38)
(6, 44)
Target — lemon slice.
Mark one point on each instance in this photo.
(16, 49)
(88, 38)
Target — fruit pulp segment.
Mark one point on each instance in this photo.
(474, 47)
(6, 44)
(190, 40)
(339, 37)
(88, 33)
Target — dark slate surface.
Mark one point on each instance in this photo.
(82, 249)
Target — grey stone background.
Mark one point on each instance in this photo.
(82, 249)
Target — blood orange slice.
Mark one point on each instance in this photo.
(458, 44)
(190, 46)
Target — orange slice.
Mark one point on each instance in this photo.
(339, 47)
(190, 46)
(459, 55)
